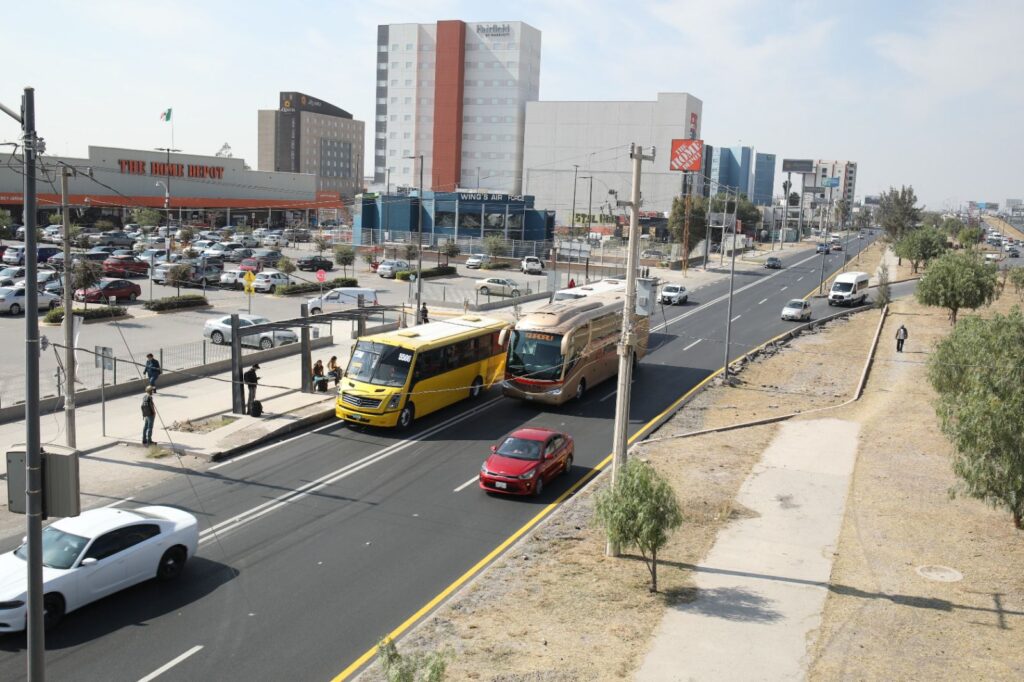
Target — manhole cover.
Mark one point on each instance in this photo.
(943, 574)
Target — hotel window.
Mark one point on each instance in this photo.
(394, 83)
(408, 100)
(394, 47)
(394, 100)
(394, 65)
(382, 100)
(405, 170)
(382, 48)
(408, 46)
(408, 65)
(392, 152)
(382, 66)
(382, 84)
(407, 117)
(405, 136)
(408, 83)
(393, 136)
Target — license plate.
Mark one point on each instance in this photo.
(501, 484)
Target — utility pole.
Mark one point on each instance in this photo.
(572, 220)
(628, 340)
(590, 207)
(687, 201)
(69, 318)
(732, 280)
(419, 240)
(167, 196)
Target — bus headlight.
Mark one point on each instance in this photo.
(395, 399)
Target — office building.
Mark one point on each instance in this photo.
(846, 171)
(589, 141)
(308, 135)
(455, 93)
(740, 167)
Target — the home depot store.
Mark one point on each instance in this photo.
(188, 186)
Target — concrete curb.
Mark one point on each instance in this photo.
(97, 320)
(284, 430)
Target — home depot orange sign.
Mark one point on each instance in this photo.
(686, 155)
(174, 170)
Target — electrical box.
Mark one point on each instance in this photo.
(61, 492)
(646, 288)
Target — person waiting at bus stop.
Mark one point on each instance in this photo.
(424, 315)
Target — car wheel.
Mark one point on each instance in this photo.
(476, 388)
(538, 488)
(53, 610)
(15, 309)
(315, 311)
(568, 465)
(217, 338)
(172, 563)
(266, 343)
(406, 416)
(132, 296)
(515, 292)
(581, 388)
(272, 289)
(485, 291)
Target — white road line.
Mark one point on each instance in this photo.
(784, 288)
(117, 502)
(693, 344)
(299, 493)
(736, 318)
(799, 278)
(167, 666)
(467, 484)
(614, 391)
(272, 445)
(762, 301)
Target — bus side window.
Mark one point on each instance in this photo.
(429, 364)
(483, 347)
(462, 353)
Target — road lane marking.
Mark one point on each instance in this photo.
(467, 483)
(799, 278)
(784, 288)
(333, 477)
(613, 392)
(763, 300)
(736, 318)
(692, 345)
(170, 664)
(117, 502)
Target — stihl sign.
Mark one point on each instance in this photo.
(686, 155)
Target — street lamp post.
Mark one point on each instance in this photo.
(167, 187)
(419, 238)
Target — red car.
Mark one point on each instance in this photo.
(252, 265)
(107, 289)
(526, 460)
(125, 266)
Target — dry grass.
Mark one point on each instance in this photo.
(202, 425)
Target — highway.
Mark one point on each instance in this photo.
(315, 547)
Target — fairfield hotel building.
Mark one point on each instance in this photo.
(454, 92)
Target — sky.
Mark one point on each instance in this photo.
(918, 92)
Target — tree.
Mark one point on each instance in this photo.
(146, 216)
(85, 274)
(969, 236)
(747, 213)
(417, 667)
(186, 235)
(930, 219)
(952, 226)
(898, 212)
(285, 265)
(178, 275)
(976, 373)
(956, 281)
(5, 224)
(883, 295)
(1017, 280)
(451, 250)
(55, 218)
(494, 246)
(863, 218)
(104, 225)
(344, 255)
(698, 220)
(320, 244)
(639, 511)
(794, 199)
(920, 245)
(842, 211)
(411, 251)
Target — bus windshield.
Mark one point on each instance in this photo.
(379, 363)
(535, 355)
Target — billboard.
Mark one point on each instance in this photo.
(686, 155)
(797, 165)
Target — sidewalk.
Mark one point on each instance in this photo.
(762, 587)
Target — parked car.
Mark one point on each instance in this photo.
(106, 289)
(314, 263)
(232, 279)
(276, 240)
(773, 263)
(197, 274)
(111, 238)
(152, 256)
(531, 265)
(221, 249)
(477, 260)
(46, 280)
(674, 294)
(12, 300)
(501, 286)
(797, 309)
(219, 331)
(269, 280)
(125, 266)
(526, 461)
(342, 297)
(251, 265)
(246, 240)
(1013, 253)
(92, 555)
(15, 255)
(9, 276)
(238, 255)
(653, 253)
(106, 250)
(389, 268)
(268, 257)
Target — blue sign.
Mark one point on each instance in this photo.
(830, 182)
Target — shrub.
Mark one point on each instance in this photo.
(311, 287)
(56, 316)
(285, 265)
(176, 302)
(495, 266)
(439, 271)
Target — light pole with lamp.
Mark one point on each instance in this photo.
(419, 237)
(387, 193)
(167, 187)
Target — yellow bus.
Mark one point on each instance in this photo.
(394, 377)
(557, 352)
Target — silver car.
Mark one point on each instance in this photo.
(797, 309)
(389, 268)
(12, 300)
(674, 294)
(219, 331)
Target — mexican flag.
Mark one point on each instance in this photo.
(165, 115)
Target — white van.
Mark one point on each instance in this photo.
(342, 297)
(849, 288)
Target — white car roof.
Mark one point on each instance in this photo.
(96, 521)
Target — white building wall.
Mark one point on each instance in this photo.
(596, 137)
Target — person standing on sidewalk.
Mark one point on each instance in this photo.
(148, 414)
(152, 370)
(251, 380)
(901, 336)
(424, 315)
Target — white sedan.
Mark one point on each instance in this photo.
(102, 551)
(12, 300)
(270, 280)
(797, 309)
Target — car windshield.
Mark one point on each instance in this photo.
(60, 549)
(795, 303)
(11, 272)
(671, 289)
(379, 363)
(535, 355)
(842, 287)
(519, 448)
(5, 292)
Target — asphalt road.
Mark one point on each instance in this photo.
(329, 540)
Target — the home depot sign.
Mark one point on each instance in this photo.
(174, 170)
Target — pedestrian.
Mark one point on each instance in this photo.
(572, 283)
(424, 316)
(148, 414)
(333, 370)
(901, 336)
(251, 380)
(152, 370)
(319, 378)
